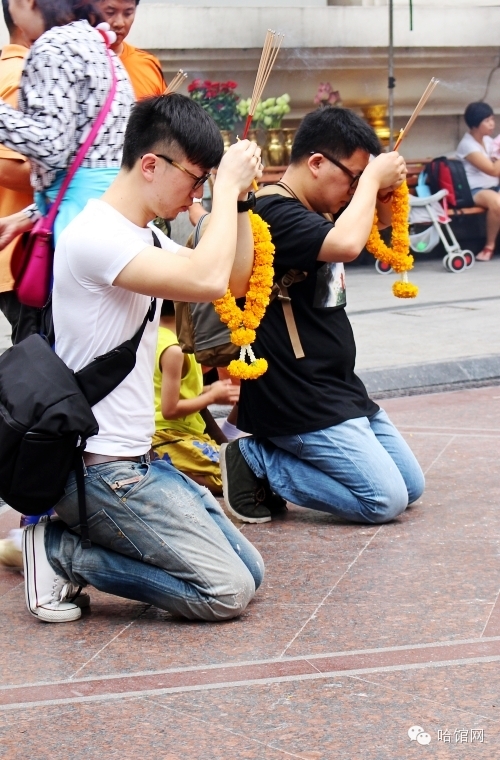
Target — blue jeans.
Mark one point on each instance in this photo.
(158, 538)
(360, 470)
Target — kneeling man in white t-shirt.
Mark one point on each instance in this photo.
(157, 537)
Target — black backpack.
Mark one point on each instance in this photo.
(46, 419)
(449, 174)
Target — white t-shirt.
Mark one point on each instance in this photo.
(476, 177)
(91, 316)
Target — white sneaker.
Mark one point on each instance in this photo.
(45, 590)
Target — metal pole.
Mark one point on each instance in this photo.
(391, 81)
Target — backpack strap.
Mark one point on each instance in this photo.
(280, 291)
(199, 229)
(280, 287)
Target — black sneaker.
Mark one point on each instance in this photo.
(244, 493)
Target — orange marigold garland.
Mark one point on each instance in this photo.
(398, 256)
(244, 322)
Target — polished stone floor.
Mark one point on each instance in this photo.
(357, 634)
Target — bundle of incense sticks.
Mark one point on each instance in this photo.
(176, 82)
(272, 44)
(421, 103)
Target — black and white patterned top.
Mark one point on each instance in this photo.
(65, 81)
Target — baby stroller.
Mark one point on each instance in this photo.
(429, 211)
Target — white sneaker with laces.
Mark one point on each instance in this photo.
(45, 590)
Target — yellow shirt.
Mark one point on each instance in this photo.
(144, 71)
(11, 201)
(191, 387)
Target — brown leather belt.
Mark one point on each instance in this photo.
(91, 459)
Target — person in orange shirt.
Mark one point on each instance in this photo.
(15, 188)
(144, 69)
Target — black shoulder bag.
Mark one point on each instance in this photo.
(46, 418)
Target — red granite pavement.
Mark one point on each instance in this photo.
(357, 634)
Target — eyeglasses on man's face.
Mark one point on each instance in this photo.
(354, 177)
(198, 181)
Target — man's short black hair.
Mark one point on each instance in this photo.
(9, 23)
(337, 131)
(475, 113)
(172, 120)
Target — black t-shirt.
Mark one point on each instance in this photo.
(302, 395)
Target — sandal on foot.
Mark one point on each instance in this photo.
(486, 254)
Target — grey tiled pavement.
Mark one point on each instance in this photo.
(358, 632)
(448, 336)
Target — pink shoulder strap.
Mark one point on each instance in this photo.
(50, 218)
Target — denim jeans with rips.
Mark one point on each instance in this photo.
(361, 470)
(157, 537)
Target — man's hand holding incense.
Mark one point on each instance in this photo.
(397, 166)
(240, 165)
(388, 169)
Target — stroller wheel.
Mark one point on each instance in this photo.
(456, 262)
(382, 268)
(469, 258)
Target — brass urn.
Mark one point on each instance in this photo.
(275, 150)
(376, 116)
(289, 134)
(226, 136)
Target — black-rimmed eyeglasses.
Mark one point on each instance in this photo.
(354, 177)
(198, 181)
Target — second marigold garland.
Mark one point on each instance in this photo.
(244, 322)
(398, 256)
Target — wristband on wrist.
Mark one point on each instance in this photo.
(247, 205)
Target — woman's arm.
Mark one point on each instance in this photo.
(484, 164)
(12, 226)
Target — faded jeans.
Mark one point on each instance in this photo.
(158, 538)
(361, 470)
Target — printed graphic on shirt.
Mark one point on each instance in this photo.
(330, 286)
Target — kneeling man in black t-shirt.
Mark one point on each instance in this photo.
(317, 439)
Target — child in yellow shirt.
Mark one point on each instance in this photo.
(180, 399)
